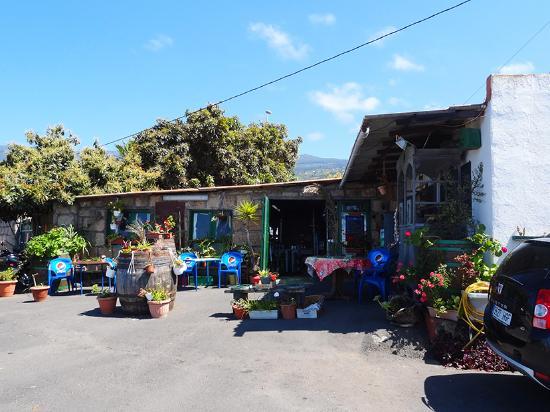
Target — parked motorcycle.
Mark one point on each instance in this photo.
(9, 259)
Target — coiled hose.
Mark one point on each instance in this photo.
(468, 312)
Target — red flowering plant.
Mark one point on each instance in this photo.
(404, 276)
(435, 290)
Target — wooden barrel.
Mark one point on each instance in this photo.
(129, 284)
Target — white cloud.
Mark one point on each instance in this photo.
(315, 136)
(160, 41)
(518, 68)
(381, 32)
(343, 101)
(327, 19)
(280, 41)
(402, 63)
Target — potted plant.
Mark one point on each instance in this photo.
(400, 310)
(262, 309)
(7, 282)
(106, 299)
(265, 277)
(247, 213)
(288, 308)
(434, 291)
(159, 302)
(240, 308)
(40, 292)
(116, 208)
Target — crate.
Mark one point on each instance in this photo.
(302, 313)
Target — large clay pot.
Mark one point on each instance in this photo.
(40, 293)
(288, 311)
(7, 288)
(159, 309)
(129, 284)
(107, 305)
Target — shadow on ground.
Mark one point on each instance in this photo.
(484, 392)
(118, 313)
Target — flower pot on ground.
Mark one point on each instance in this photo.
(240, 308)
(479, 301)
(106, 299)
(7, 282)
(400, 310)
(288, 310)
(39, 293)
(159, 305)
(159, 309)
(262, 309)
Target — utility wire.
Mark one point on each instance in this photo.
(303, 69)
(539, 31)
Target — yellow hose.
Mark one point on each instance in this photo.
(467, 311)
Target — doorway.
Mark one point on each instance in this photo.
(297, 229)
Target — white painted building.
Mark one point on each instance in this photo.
(509, 134)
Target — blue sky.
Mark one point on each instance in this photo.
(107, 69)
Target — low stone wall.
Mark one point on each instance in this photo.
(89, 215)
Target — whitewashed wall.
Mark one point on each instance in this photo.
(515, 151)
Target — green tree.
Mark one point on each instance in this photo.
(210, 148)
(35, 176)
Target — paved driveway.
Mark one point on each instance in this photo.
(61, 355)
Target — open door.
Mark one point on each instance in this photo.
(264, 253)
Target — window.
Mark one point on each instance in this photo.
(128, 217)
(212, 224)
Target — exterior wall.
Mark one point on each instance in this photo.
(515, 144)
(89, 216)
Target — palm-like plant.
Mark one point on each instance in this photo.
(247, 213)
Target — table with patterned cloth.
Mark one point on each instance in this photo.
(325, 266)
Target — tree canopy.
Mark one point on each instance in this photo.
(206, 149)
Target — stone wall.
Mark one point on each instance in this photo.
(89, 215)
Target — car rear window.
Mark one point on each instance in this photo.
(525, 258)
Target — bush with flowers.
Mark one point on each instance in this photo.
(435, 290)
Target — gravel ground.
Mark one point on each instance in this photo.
(61, 355)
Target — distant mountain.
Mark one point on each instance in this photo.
(313, 167)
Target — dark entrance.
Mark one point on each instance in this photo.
(297, 229)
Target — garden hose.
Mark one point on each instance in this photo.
(468, 312)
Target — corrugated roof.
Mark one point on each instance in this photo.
(377, 134)
(211, 189)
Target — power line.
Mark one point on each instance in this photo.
(303, 69)
(539, 31)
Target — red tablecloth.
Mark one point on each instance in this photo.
(324, 266)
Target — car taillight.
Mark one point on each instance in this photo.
(541, 315)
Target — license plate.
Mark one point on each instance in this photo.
(503, 316)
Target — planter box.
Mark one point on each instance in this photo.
(263, 314)
(310, 313)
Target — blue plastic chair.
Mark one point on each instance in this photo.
(61, 268)
(376, 275)
(112, 264)
(192, 268)
(232, 262)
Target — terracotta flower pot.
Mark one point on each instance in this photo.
(153, 235)
(288, 311)
(256, 279)
(448, 315)
(7, 288)
(150, 268)
(107, 305)
(240, 313)
(159, 309)
(39, 293)
(167, 235)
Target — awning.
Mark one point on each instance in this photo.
(375, 153)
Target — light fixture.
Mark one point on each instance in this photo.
(267, 114)
(402, 143)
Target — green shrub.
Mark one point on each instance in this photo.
(7, 275)
(56, 242)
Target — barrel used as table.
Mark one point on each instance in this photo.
(130, 283)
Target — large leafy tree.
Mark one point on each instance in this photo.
(210, 148)
(35, 176)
